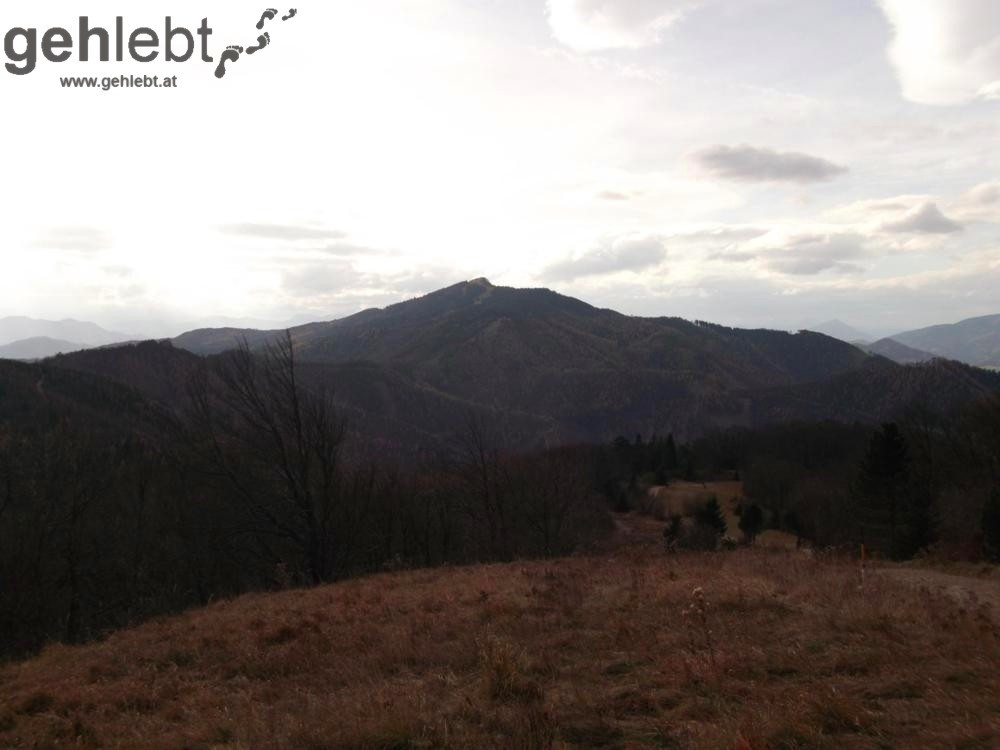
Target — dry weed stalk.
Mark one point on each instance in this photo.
(701, 638)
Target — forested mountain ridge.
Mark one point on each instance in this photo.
(42, 395)
(583, 371)
(475, 328)
(552, 369)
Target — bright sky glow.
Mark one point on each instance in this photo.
(752, 162)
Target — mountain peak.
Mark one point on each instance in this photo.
(481, 281)
(838, 329)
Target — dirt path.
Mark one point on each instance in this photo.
(963, 588)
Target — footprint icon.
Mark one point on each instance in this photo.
(268, 15)
(291, 14)
(262, 41)
(231, 54)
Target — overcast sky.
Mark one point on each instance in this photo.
(752, 162)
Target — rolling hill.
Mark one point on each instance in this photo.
(39, 347)
(78, 332)
(743, 650)
(899, 353)
(838, 329)
(975, 341)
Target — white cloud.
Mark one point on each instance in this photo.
(629, 253)
(987, 194)
(864, 210)
(282, 231)
(945, 51)
(720, 235)
(79, 239)
(806, 256)
(746, 163)
(925, 218)
(587, 25)
(613, 195)
(321, 279)
(981, 203)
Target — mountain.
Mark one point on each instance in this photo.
(78, 332)
(975, 341)
(838, 329)
(564, 370)
(897, 352)
(475, 333)
(546, 369)
(39, 347)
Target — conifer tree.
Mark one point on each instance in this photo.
(711, 515)
(882, 486)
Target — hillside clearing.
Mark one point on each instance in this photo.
(618, 652)
(683, 498)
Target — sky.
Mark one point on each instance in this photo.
(758, 163)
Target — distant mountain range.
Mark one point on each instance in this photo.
(543, 367)
(975, 341)
(79, 332)
(548, 369)
(38, 347)
(838, 329)
(897, 352)
(29, 338)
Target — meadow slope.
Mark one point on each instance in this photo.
(632, 649)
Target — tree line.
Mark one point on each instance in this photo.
(925, 483)
(258, 483)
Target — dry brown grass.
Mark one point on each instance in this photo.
(683, 499)
(778, 651)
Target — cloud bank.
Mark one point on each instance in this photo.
(621, 254)
(807, 254)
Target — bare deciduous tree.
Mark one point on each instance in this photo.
(278, 446)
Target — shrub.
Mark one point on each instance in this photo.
(673, 531)
(699, 537)
(711, 515)
(751, 522)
